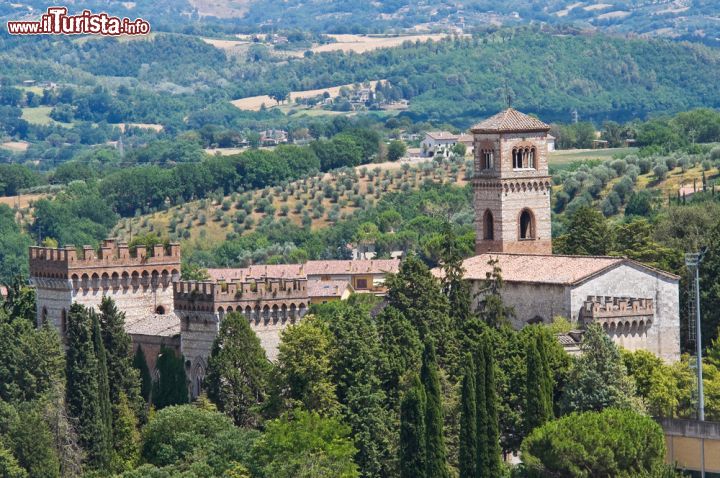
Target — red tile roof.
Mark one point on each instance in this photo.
(441, 135)
(510, 121)
(546, 269)
(298, 271)
(330, 288)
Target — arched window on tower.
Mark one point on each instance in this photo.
(488, 226)
(487, 161)
(531, 158)
(527, 225)
(517, 158)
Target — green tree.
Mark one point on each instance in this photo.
(33, 442)
(608, 443)
(468, 459)
(538, 408)
(492, 436)
(491, 308)
(303, 444)
(598, 378)
(481, 410)
(304, 369)
(83, 390)
(126, 438)
(140, 364)
(238, 371)
(396, 150)
(587, 234)
(436, 465)
(413, 444)
(9, 467)
(170, 388)
(105, 438)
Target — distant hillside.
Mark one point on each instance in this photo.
(683, 19)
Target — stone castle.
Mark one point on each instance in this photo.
(637, 305)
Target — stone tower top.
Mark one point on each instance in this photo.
(510, 121)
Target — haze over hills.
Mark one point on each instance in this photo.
(683, 19)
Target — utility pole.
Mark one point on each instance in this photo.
(692, 261)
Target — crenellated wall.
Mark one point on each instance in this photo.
(139, 281)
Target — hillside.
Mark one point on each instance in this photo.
(669, 18)
(318, 201)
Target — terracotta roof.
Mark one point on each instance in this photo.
(299, 271)
(330, 288)
(510, 121)
(365, 266)
(167, 325)
(466, 138)
(546, 269)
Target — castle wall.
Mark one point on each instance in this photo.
(663, 336)
(136, 302)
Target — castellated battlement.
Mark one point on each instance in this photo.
(114, 263)
(237, 295)
(618, 312)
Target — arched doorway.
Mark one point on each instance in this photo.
(527, 225)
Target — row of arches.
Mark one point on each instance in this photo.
(276, 312)
(125, 280)
(524, 157)
(526, 225)
(627, 327)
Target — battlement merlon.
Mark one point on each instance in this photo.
(50, 260)
(606, 308)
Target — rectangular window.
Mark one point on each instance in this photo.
(361, 284)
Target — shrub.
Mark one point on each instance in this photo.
(607, 443)
(660, 171)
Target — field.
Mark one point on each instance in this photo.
(254, 103)
(326, 198)
(38, 115)
(366, 43)
(567, 156)
(15, 146)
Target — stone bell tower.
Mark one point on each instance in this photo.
(512, 184)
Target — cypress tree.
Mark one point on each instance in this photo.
(548, 381)
(468, 423)
(412, 432)
(83, 401)
(481, 467)
(536, 406)
(435, 441)
(105, 437)
(122, 377)
(171, 386)
(493, 426)
(140, 364)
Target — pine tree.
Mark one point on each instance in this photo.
(481, 428)
(83, 395)
(103, 385)
(536, 401)
(468, 423)
(171, 386)
(412, 431)
(493, 427)
(435, 441)
(140, 364)
(126, 438)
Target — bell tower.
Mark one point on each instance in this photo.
(512, 184)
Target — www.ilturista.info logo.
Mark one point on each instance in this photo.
(57, 22)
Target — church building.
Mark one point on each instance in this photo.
(638, 306)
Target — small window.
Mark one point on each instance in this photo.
(160, 310)
(487, 160)
(361, 284)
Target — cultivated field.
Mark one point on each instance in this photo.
(365, 43)
(254, 103)
(567, 156)
(15, 146)
(326, 198)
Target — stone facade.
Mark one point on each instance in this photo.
(512, 185)
(637, 306)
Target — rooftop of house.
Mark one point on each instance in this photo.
(330, 288)
(510, 121)
(310, 268)
(544, 269)
(441, 135)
